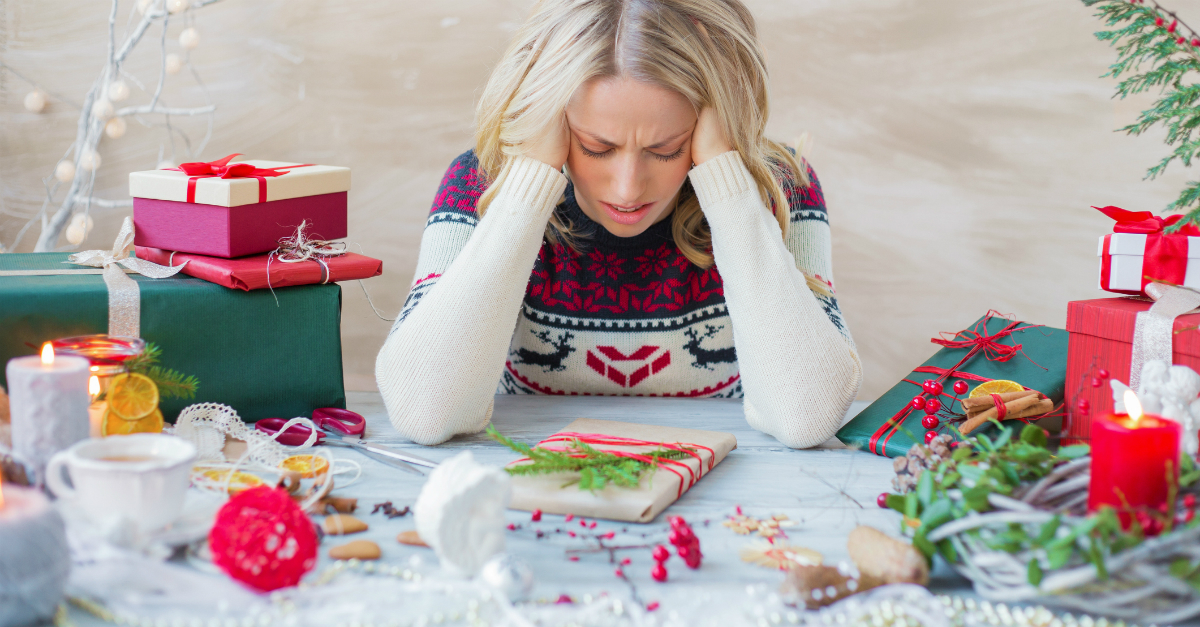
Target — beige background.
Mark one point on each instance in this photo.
(960, 143)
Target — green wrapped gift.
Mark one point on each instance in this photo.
(261, 358)
(993, 348)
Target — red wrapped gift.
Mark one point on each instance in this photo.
(251, 273)
(1139, 252)
(1102, 342)
(230, 210)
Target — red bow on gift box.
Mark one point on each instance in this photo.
(1144, 222)
(221, 168)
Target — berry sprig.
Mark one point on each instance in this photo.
(933, 406)
(687, 545)
(1176, 27)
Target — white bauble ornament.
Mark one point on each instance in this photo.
(173, 63)
(102, 109)
(89, 160)
(175, 6)
(64, 171)
(35, 101)
(117, 91)
(460, 513)
(115, 128)
(189, 38)
(509, 576)
(78, 228)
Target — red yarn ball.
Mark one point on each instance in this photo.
(932, 386)
(918, 402)
(933, 406)
(960, 387)
(930, 422)
(263, 539)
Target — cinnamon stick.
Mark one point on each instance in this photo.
(986, 401)
(1011, 411)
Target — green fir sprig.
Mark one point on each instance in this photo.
(171, 383)
(596, 469)
(1157, 50)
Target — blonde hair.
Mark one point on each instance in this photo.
(706, 50)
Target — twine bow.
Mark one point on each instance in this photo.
(299, 248)
(124, 296)
(221, 168)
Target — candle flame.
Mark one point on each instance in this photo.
(1133, 406)
(47, 354)
(95, 368)
(94, 385)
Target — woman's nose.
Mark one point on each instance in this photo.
(628, 180)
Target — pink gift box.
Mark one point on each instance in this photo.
(235, 231)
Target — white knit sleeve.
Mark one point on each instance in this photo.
(438, 369)
(798, 372)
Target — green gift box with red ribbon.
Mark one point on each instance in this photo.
(994, 348)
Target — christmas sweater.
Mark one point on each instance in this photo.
(495, 308)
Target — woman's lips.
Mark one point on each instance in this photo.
(627, 215)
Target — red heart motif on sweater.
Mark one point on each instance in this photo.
(655, 357)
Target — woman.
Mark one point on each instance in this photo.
(619, 162)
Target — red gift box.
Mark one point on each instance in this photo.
(235, 231)
(250, 273)
(1102, 339)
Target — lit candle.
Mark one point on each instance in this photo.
(1135, 458)
(97, 408)
(48, 399)
(34, 557)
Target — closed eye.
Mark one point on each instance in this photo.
(671, 157)
(592, 153)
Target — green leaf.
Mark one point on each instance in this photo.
(977, 499)
(1034, 435)
(960, 453)
(1074, 452)
(897, 502)
(946, 548)
(1047, 532)
(1035, 573)
(1059, 556)
(925, 488)
(985, 442)
(911, 505)
(924, 545)
(1183, 568)
(1005, 436)
(937, 514)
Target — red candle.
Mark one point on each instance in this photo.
(1132, 455)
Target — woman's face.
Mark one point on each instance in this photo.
(630, 151)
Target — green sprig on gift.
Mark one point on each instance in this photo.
(595, 468)
(1156, 50)
(171, 383)
(981, 467)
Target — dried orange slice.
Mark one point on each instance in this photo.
(999, 386)
(112, 424)
(241, 480)
(132, 396)
(308, 466)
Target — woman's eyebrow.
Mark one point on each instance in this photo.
(605, 142)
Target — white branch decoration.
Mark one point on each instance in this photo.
(81, 159)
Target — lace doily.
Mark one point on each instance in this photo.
(207, 425)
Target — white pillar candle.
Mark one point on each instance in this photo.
(34, 557)
(48, 399)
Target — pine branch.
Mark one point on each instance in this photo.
(171, 383)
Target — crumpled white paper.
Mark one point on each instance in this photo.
(460, 512)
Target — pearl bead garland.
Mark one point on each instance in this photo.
(35, 101)
(89, 160)
(189, 38)
(173, 63)
(117, 91)
(115, 128)
(102, 109)
(64, 171)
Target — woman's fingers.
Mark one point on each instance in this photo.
(552, 147)
(708, 140)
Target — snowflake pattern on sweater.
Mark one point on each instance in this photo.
(618, 316)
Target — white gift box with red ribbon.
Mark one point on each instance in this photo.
(1139, 253)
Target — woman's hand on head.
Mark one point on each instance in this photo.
(553, 146)
(708, 140)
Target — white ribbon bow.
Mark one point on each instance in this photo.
(124, 296)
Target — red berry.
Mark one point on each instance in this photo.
(574, 558)
(626, 562)
(661, 554)
(881, 500)
(653, 605)
(1181, 40)
(592, 525)
(511, 527)
(537, 515)
(1096, 382)
(659, 573)
(694, 561)
(610, 535)
(675, 538)
(739, 510)
(930, 422)
(929, 436)
(960, 387)
(918, 402)
(1158, 21)
(1083, 405)
(569, 517)
(562, 598)
(684, 551)
(933, 406)
(932, 386)
(582, 522)
(619, 573)
(1102, 373)
(1171, 28)
(1196, 42)
(1189, 501)
(571, 533)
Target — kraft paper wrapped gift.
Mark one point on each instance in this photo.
(261, 358)
(233, 209)
(657, 490)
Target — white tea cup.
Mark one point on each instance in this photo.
(142, 477)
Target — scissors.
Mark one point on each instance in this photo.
(341, 427)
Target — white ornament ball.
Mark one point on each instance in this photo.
(115, 128)
(118, 90)
(64, 171)
(509, 576)
(189, 38)
(102, 109)
(90, 160)
(175, 6)
(173, 63)
(164, 165)
(78, 228)
(35, 101)
(460, 513)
